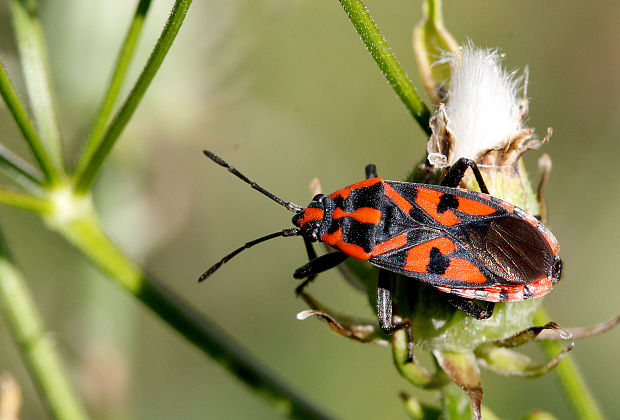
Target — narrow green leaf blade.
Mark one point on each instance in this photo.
(123, 61)
(33, 53)
(91, 164)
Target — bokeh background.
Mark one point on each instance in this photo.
(285, 90)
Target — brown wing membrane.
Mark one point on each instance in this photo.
(511, 248)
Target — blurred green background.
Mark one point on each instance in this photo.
(285, 90)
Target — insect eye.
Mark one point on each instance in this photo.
(557, 269)
(317, 197)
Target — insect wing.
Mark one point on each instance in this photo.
(438, 260)
(511, 248)
(467, 243)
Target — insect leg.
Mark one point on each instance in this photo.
(371, 171)
(470, 307)
(457, 171)
(385, 309)
(317, 265)
(385, 304)
(309, 249)
(311, 256)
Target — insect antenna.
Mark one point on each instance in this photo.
(285, 233)
(288, 205)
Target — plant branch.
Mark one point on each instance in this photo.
(118, 76)
(391, 69)
(574, 386)
(36, 346)
(90, 164)
(85, 233)
(25, 201)
(20, 115)
(19, 170)
(33, 53)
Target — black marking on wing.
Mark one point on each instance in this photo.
(447, 202)
(438, 263)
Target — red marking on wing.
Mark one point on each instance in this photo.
(474, 207)
(363, 215)
(389, 245)
(508, 206)
(309, 214)
(492, 294)
(419, 256)
(428, 200)
(469, 293)
(352, 250)
(530, 219)
(537, 288)
(346, 191)
(463, 270)
(553, 243)
(397, 199)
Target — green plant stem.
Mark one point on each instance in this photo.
(391, 69)
(118, 76)
(434, 10)
(37, 348)
(20, 115)
(85, 233)
(25, 201)
(33, 53)
(92, 159)
(575, 388)
(20, 171)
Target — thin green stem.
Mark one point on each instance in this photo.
(391, 69)
(85, 233)
(574, 386)
(434, 8)
(90, 164)
(20, 171)
(20, 115)
(25, 201)
(33, 53)
(125, 56)
(36, 346)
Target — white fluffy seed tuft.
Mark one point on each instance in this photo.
(482, 110)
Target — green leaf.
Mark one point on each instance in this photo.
(510, 363)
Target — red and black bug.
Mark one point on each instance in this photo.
(468, 244)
